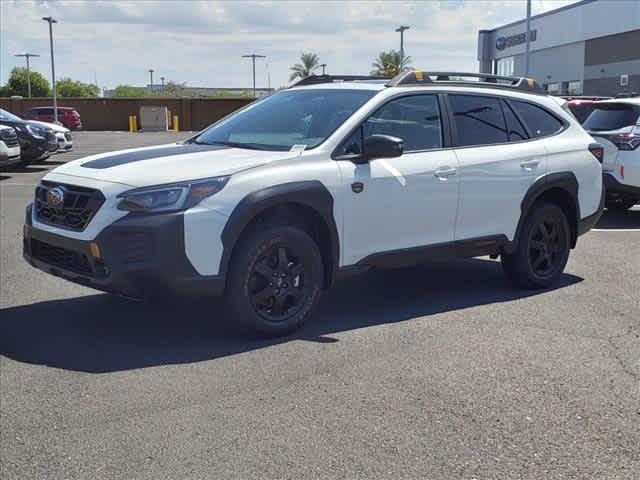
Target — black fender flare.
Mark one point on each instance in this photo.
(312, 194)
(566, 181)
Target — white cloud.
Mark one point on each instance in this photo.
(201, 42)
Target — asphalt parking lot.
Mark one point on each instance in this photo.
(438, 372)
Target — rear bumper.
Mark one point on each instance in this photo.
(140, 257)
(613, 186)
(585, 224)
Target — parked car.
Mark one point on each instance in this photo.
(616, 125)
(9, 147)
(67, 116)
(63, 135)
(36, 142)
(274, 202)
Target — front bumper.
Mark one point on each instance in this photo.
(139, 257)
(614, 187)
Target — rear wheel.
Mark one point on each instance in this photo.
(620, 203)
(543, 248)
(275, 280)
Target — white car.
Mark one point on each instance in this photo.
(616, 125)
(9, 147)
(62, 133)
(271, 204)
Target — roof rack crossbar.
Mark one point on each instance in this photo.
(315, 79)
(414, 77)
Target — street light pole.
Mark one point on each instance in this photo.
(401, 29)
(162, 81)
(51, 21)
(253, 57)
(324, 66)
(151, 80)
(527, 55)
(27, 56)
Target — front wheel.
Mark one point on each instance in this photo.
(543, 248)
(275, 280)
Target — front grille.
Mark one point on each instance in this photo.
(9, 137)
(60, 257)
(78, 206)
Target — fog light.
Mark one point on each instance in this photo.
(95, 250)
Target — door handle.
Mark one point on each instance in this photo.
(444, 172)
(529, 164)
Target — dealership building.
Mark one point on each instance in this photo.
(591, 47)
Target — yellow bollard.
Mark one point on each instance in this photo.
(135, 123)
(176, 124)
(130, 128)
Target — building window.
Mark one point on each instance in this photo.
(574, 88)
(554, 88)
(506, 66)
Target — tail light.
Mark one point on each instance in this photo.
(598, 151)
(629, 141)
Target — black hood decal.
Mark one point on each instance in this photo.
(130, 157)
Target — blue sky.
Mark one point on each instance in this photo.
(201, 42)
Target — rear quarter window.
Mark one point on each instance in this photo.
(539, 122)
(611, 116)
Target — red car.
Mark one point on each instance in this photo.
(68, 116)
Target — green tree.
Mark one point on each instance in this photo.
(309, 63)
(388, 64)
(17, 84)
(129, 91)
(173, 90)
(72, 88)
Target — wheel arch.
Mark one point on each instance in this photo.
(560, 188)
(306, 203)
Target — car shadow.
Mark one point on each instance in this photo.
(102, 333)
(615, 220)
(22, 169)
(4, 177)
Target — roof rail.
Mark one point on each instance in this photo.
(414, 77)
(315, 79)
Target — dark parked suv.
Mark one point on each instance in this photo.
(36, 142)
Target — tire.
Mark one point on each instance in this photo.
(620, 204)
(275, 280)
(542, 249)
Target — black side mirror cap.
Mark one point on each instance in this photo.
(382, 146)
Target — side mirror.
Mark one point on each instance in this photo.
(382, 146)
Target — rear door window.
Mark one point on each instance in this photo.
(540, 122)
(45, 111)
(611, 116)
(478, 120)
(515, 129)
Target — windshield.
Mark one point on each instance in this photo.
(4, 115)
(611, 116)
(294, 117)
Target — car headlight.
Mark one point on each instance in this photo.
(37, 132)
(171, 197)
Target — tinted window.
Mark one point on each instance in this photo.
(515, 129)
(10, 117)
(414, 119)
(539, 121)
(611, 116)
(581, 110)
(291, 117)
(478, 120)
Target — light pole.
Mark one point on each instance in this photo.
(162, 81)
(51, 21)
(151, 80)
(527, 54)
(324, 66)
(253, 57)
(401, 29)
(28, 56)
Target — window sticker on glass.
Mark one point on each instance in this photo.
(298, 148)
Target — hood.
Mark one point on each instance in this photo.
(170, 163)
(52, 126)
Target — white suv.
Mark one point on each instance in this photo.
(335, 175)
(616, 125)
(9, 147)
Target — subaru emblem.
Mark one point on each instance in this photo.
(55, 197)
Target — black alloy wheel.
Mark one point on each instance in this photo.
(277, 284)
(546, 247)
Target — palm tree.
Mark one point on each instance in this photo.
(388, 64)
(309, 63)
